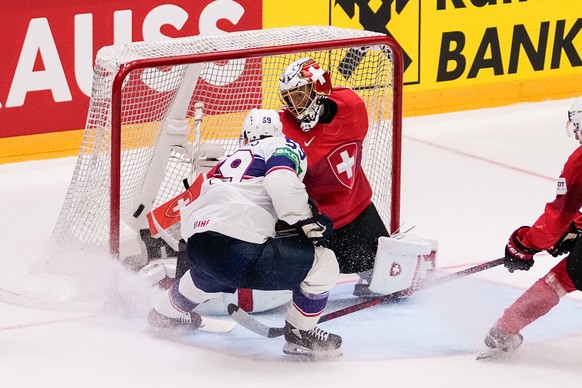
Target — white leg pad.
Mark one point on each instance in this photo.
(397, 263)
(158, 270)
(260, 301)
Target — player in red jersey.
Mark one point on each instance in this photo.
(331, 124)
(556, 231)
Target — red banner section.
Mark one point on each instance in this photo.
(48, 49)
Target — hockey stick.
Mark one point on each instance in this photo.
(248, 321)
(174, 134)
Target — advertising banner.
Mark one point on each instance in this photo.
(48, 49)
(467, 54)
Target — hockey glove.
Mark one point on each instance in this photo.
(566, 243)
(318, 228)
(517, 255)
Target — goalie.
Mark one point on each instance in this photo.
(331, 124)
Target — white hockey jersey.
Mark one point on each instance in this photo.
(252, 188)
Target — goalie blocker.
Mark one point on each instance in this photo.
(402, 264)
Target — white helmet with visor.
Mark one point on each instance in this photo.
(259, 124)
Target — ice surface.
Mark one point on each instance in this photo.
(468, 180)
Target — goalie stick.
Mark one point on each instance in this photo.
(252, 324)
(174, 135)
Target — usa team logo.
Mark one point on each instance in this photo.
(343, 161)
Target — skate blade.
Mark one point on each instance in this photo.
(491, 354)
(208, 325)
(300, 351)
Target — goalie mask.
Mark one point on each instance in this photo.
(574, 124)
(302, 87)
(259, 124)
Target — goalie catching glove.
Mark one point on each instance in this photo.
(318, 228)
(517, 255)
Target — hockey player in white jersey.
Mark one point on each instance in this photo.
(231, 244)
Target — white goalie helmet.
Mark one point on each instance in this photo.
(574, 124)
(301, 87)
(259, 124)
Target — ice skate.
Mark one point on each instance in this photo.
(362, 287)
(315, 343)
(499, 343)
(504, 342)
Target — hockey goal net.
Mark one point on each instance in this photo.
(141, 139)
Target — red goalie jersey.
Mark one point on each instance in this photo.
(335, 178)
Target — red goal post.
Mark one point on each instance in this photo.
(141, 140)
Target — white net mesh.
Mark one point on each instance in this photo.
(156, 155)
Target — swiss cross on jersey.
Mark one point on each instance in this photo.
(343, 162)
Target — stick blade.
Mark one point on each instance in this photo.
(249, 322)
(219, 326)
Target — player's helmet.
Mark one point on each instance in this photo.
(574, 124)
(259, 124)
(301, 87)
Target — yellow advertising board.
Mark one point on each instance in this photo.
(466, 54)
